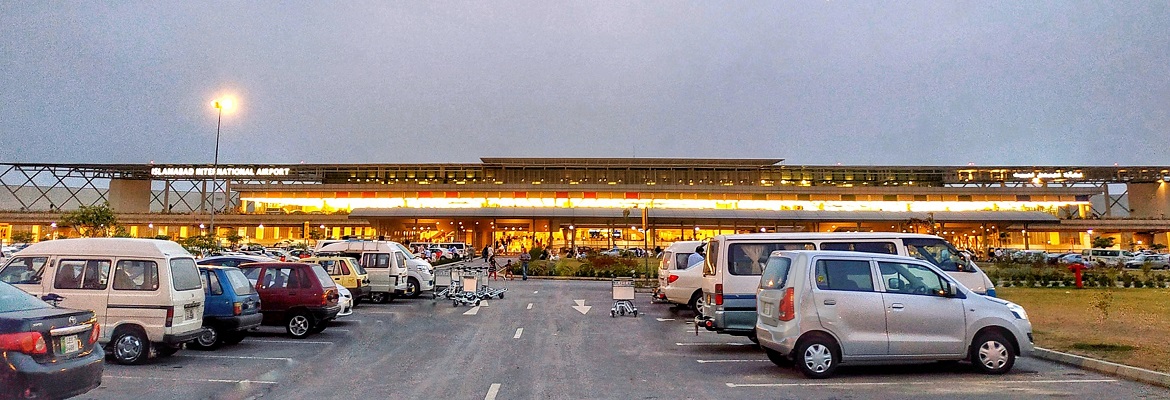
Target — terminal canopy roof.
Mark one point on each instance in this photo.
(685, 214)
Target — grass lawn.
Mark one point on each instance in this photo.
(1136, 331)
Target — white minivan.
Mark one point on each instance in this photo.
(145, 293)
(679, 282)
(732, 269)
(1110, 257)
(821, 309)
(389, 265)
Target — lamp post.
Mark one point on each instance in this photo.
(220, 105)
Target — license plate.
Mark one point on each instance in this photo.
(190, 313)
(70, 344)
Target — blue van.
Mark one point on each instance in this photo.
(232, 307)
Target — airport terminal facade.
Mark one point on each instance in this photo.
(596, 202)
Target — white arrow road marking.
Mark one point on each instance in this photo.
(726, 361)
(492, 392)
(483, 303)
(664, 319)
(529, 306)
(581, 307)
(472, 311)
(519, 331)
(535, 291)
(709, 344)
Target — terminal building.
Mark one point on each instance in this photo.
(595, 202)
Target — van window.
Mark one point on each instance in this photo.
(185, 275)
(239, 282)
(937, 252)
(680, 260)
(136, 275)
(82, 274)
(376, 260)
(776, 274)
(23, 270)
(846, 275)
(749, 258)
(211, 284)
(910, 279)
(713, 258)
(864, 247)
(401, 260)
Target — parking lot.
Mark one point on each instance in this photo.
(541, 342)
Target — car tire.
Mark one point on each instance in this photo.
(412, 288)
(130, 347)
(693, 303)
(299, 325)
(817, 356)
(210, 339)
(379, 297)
(992, 354)
(778, 358)
(319, 327)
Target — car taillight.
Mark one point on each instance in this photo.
(325, 298)
(671, 278)
(788, 305)
(170, 316)
(94, 333)
(718, 294)
(237, 308)
(24, 342)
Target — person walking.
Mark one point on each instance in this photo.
(524, 259)
(485, 252)
(492, 268)
(508, 271)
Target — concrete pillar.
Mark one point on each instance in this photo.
(1149, 200)
(129, 196)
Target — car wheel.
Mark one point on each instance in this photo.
(693, 304)
(208, 340)
(777, 358)
(299, 325)
(992, 354)
(817, 356)
(412, 288)
(379, 297)
(130, 347)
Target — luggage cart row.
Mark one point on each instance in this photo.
(463, 285)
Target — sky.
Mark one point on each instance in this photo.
(903, 83)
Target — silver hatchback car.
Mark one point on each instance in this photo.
(821, 309)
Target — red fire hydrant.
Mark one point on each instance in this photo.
(1076, 268)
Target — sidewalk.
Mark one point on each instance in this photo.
(1105, 367)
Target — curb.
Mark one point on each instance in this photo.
(1105, 367)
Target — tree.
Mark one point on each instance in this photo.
(1102, 242)
(92, 221)
(201, 244)
(234, 239)
(22, 237)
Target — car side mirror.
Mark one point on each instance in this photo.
(949, 291)
(894, 284)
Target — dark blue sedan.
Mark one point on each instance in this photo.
(46, 351)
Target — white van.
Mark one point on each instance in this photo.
(1112, 257)
(731, 272)
(145, 293)
(420, 273)
(386, 264)
(460, 248)
(678, 282)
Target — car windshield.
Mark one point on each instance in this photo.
(240, 283)
(13, 299)
(937, 252)
(409, 254)
(322, 276)
(23, 270)
(775, 274)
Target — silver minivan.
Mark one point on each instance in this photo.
(821, 309)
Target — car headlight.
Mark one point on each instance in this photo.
(1017, 310)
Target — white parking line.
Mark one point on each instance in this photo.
(288, 341)
(726, 361)
(472, 311)
(940, 383)
(380, 312)
(519, 331)
(234, 357)
(189, 379)
(709, 344)
(529, 306)
(535, 291)
(492, 392)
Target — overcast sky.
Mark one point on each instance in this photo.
(820, 82)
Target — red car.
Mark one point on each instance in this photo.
(301, 297)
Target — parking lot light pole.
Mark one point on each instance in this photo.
(219, 106)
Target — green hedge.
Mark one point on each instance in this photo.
(594, 265)
(1059, 276)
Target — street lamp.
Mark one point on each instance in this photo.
(220, 105)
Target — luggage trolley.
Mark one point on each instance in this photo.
(623, 297)
(464, 286)
(443, 279)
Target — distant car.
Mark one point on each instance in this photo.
(232, 260)
(614, 252)
(441, 253)
(1157, 261)
(345, 300)
(1074, 258)
(232, 307)
(1028, 256)
(45, 351)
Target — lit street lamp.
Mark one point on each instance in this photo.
(220, 105)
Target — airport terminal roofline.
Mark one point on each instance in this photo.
(688, 214)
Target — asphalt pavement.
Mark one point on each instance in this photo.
(537, 343)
